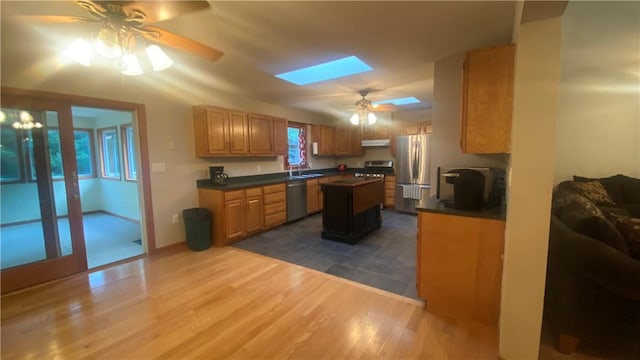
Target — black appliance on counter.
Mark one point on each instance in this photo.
(468, 188)
(217, 175)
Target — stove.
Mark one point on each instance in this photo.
(375, 169)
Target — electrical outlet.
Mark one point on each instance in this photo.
(174, 218)
(310, 166)
(258, 168)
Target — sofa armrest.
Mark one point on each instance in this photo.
(594, 260)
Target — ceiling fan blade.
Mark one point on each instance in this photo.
(170, 39)
(52, 19)
(155, 11)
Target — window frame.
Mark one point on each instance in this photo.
(22, 175)
(103, 171)
(92, 147)
(126, 150)
(303, 128)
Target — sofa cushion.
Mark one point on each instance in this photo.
(583, 217)
(629, 227)
(621, 188)
(592, 190)
(631, 190)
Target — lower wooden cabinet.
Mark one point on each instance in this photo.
(313, 197)
(275, 205)
(459, 265)
(239, 213)
(389, 191)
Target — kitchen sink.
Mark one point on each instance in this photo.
(305, 176)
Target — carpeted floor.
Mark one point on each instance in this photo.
(385, 259)
(107, 238)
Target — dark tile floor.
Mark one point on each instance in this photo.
(385, 259)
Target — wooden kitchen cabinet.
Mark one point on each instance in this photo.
(324, 136)
(389, 191)
(459, 265)
(356, 141)
(234, 216)
(313, 196)
(343, 141)
(254, 209)
(280, 137)
(238, 132)
(260, 134)
(275, 205)
(211, 130)
(487, 100)
(237, 213)
(417, 128)
(375, 132)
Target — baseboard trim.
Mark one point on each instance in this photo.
(66, 216)
(169, 249)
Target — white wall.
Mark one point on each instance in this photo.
(599, 113)
(445, 139)
(537, 75)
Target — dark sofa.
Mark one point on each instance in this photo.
(593, 279)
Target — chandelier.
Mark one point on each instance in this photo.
(118, 47)
(20, 120)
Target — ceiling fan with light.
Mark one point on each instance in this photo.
(364, 110)
(124, 26)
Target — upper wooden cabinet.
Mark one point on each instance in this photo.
(343, 141)
(280, 140)
(487, 100)
(356, 141)
(224, 132)
(260, 134)
(324, 135)
(417, 128)
(375, 132)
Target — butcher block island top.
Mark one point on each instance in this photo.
(351, 208)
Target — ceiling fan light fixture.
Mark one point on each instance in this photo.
(355, 119)
(106, 43)
(158, 58)
(79, 51)
(131, 65)
(371, 118)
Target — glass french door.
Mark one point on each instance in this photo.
(41, 231)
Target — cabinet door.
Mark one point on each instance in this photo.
(411, 130)
(356, 140)
(312, 197)
(389, 191)
(211, 131)
(260, 134)
(254, 213)
(374, 132)
(343, 141)
(238, 132)
(487, 100)
(280, 138)
(234, 215)
(328, 146)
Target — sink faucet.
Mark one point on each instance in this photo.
(291, 167)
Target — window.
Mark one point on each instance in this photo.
(109, 155)
(84, 151)
(129, 151)
(10, 163)
(297, 145)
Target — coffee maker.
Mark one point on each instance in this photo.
(217, 175)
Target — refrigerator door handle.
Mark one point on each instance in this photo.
(414, 165)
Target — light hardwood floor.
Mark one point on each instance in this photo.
(227, 303)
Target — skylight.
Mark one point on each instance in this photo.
(398, 101)
(326, 71)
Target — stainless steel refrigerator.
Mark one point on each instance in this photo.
(412, 171)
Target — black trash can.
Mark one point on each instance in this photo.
(197, 225)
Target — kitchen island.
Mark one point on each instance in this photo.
(351, 208)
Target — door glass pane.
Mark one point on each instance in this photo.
(33, 211)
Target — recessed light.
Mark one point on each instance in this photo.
(398, 101)
(326, 71)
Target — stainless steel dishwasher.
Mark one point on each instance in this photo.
(296, 199)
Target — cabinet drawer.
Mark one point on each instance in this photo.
(273, 188)
(275, 219)
(279, 197)
(312, 183)
(233, 195)
(389, 185)
(253, 192)
(274, 208)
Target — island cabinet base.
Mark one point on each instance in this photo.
(351, 209)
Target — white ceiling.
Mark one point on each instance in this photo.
(400, 40)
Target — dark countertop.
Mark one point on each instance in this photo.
(434, 205)
(241, 182)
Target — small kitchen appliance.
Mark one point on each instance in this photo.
(217, 175)
(492, 190)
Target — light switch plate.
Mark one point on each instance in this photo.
(158, 167)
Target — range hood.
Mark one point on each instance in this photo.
(377, 142)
